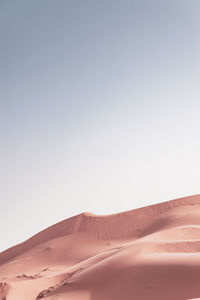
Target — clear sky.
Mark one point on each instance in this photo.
(99, 108)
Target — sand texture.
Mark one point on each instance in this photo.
(150, 253)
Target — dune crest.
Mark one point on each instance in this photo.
(147, 253)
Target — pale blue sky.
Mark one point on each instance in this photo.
(99, 108)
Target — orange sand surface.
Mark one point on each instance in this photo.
(150, 253)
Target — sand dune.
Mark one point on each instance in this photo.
(148, 253)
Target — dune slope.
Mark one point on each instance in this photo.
(147, 253)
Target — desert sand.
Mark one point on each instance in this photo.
(150, 253)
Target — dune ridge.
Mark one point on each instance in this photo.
(151, 252)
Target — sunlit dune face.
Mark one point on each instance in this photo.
(105, 257)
